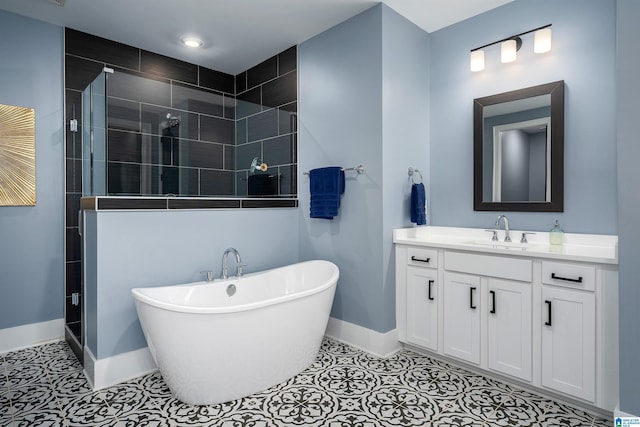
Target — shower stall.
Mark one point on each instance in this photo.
(134, 134)
(145, 137)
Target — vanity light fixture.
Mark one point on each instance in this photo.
(477, 60)
(542, 40)
(509, 47)
(191, 42)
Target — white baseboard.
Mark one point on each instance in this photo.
(377, 343)
(617, 413)
(122, 367)
(116, 369)
(20, 337)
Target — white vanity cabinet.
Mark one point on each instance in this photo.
(509, 329)
(487, 311)
(546, 320)
(422, 297)
(569, 342)
(569, 328)
(461, 313)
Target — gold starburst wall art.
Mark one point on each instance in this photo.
(17, 156)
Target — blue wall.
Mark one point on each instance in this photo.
(405, 134)
(139, 249)
(340, 107)
(582, 55)
(31, 238)
(363, 86)
(628, 110)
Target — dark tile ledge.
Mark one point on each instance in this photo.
(100, 203)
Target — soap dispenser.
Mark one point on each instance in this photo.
(556, 235)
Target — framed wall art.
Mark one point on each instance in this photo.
(17, 156)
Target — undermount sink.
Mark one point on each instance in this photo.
(500, 244)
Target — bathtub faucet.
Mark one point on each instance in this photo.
(239, 265)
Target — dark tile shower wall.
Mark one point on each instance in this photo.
(225, 122)
(145, 156)
(266, 125)
(151, 154)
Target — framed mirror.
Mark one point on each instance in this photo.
(518, 150)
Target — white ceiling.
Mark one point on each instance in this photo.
(238, 34)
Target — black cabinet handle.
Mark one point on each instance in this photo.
(567, 279)
(493, 302)
(413, 258)
(471, 306)
(548, 322)
(430, 297)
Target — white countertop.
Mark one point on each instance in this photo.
(595, 248)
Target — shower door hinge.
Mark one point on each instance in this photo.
(73, 125)
(75, 298)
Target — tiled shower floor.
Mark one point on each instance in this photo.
(45, 386)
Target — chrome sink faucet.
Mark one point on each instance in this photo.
(507, 237)
(225, 274)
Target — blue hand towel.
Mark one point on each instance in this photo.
(418, 203)
(326, 185)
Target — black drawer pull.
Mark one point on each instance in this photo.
(548, 322)
(493, 302)
(566, 279)
(471, 306)
(413, 258)
(429, 296)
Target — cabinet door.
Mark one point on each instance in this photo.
(462, 316)
(568, 341)
(422, 307)
(509, 328)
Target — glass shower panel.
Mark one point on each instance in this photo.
(94, 136)
(146, 135)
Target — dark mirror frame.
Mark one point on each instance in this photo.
(556, 90)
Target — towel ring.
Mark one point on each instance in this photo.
(412, 173)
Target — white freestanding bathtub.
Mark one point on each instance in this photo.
(219, 341)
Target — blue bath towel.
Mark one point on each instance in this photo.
(418, 204)
(326, 185)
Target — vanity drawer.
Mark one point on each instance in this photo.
(579, 276)
(489, 265)
(422, 257)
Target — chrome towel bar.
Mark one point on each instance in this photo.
(359, 169)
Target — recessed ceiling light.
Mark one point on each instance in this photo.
(191, 42)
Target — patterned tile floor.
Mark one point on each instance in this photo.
(45, 386)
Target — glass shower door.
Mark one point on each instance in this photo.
(93, 142)
(94, 136)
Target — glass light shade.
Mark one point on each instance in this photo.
(191, 42)
(477, 60)
(508, 51)
(542, 40)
